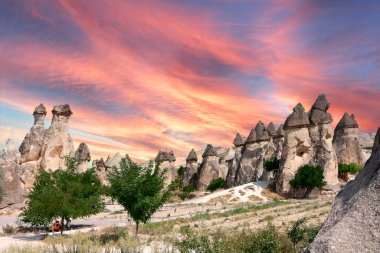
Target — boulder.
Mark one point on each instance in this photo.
(346, 141)
(57, 142)
(82, 156)
(209, 151)
(353, 224)
(31, 146)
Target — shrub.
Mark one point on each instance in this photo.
(268, 239)
(352, 168)
(302, 235)
(187, 192)
(9, 230)
(217, 183)
(308, 177)
(272, 164)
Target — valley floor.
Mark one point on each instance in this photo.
(205, 214)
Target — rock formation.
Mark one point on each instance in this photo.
(167, 161)
(191, 168)
(82, 155)
(353, 224)
(346, 141)
(31, 146)
(233, 166)
(209, 168)
(278, 141)
(308, 140)
(248, 165)
(114, 161)
(101, 171)
(57, 142)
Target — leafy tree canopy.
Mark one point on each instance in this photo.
(140, 190)
(65, 194)
(352, 168)
(308, 177)
(217, 183)
(272, 164)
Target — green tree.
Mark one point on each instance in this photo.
(216, 183)
(140, 190)
(308, 177)
(272, 164)
(65, 194)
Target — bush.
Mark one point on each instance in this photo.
(272, 164)
(9, 230)
(268, 239)
(352, 168)
(217, 183)
(187, 192)
(302, 235)
(308, 177)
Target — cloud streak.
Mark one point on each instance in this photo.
(152, 75)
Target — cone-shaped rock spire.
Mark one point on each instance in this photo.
(192, 157)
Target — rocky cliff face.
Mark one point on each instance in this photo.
(57, 142)
(308, 140)
(234, 164)
(346, 141)
(353, 224)
(167, 161)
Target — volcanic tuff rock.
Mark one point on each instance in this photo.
(239, 140)
(82, 155)
(278, 141)
(11, 174)
(114, 161)
(353, 224)
(31, 146)
(271, 129)
(191, 168)
(101, 170)
(167, 161)
(297, 119)
(57, 142)
(346, 141)
(210, 168)
(307, 143)
(248, 163)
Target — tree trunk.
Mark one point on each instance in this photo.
(62, 220)
(307, 193)
(137, 227)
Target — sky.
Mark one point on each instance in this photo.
(143, 76)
